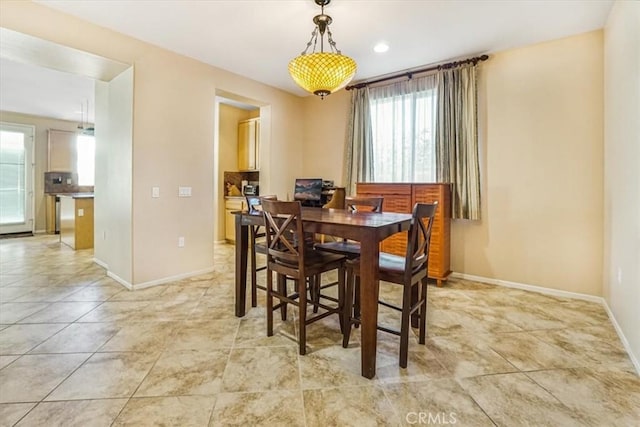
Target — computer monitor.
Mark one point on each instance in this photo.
(308, 189)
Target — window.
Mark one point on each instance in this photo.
(86, 157)
(403, 117)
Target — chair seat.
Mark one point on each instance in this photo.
(350, 249)
(389, 265)
(318, 262)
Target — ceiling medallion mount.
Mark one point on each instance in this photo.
(322, 73)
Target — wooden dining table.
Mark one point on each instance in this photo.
(367, 228)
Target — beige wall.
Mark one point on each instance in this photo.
(621, 165)
(42, 125)
(325, 131)
(173, 140)
(541, 130)
(540, 133)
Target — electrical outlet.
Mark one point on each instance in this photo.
(181, 242)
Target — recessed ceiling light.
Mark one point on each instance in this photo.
(381, 47)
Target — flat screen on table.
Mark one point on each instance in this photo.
(308, 189)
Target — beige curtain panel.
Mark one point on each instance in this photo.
(457, 140)
(358, 160)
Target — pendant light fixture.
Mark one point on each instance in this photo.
(322, 73)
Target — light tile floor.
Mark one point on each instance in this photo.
(77, 349)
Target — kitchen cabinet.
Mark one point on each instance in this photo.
(62, 151)
(76, 220)
(249, 144)
(401, 198)
(232, 204)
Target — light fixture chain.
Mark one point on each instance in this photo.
(334, 48)
(313, 40)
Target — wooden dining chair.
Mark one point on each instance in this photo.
(257, 244)
(409, 271)
(338, 197)
(345, 247)
(289, 259)
(351, 249)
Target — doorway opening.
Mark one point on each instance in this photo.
(241, 141)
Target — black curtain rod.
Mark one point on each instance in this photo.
(409, 74)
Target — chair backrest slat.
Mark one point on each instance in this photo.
(420, 235)
(283, 226)
(364, 203)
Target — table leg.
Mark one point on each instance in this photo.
(242, 246)
(369, 290)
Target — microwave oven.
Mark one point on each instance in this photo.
(250, 190)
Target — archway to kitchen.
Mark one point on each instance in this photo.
(241, 140)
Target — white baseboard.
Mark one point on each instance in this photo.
(166, 280)
(560, 293)
(532, 288)
(101, 263)
(120, 280)
(40, 232)
(624, 340)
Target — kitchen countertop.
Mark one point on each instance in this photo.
(76, 195)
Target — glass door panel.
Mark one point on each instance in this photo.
(16, 194)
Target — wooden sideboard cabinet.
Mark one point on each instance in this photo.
(401, 198)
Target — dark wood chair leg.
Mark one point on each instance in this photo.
(347, 309)
(282, 290)
(423, 312)
(302, 315)
(254, 283)
(404, 325)
(341, 300)
(269, 304)
(356, 303)
(314, 286)
(415, 319)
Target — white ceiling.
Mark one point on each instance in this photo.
(32, 89)
(257, 38)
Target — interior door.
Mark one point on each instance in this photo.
(16, 178)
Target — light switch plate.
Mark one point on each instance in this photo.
(80, 212)
(155, 192)
(184, 191)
